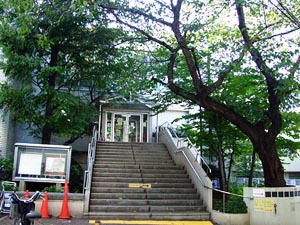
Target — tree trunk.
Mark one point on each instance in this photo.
(231, 161)
(49, 110)
(224, 186)
(251, 169)
(272, 167)
(47, 128)
(46, 134)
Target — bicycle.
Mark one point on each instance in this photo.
(6, 188)
(22, 210)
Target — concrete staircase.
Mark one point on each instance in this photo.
(133, 181)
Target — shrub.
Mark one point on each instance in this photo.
(8, 164)
(236, 205)
(233, 204)
(52, 188)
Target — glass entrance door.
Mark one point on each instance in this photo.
(134, 128)
(120, 128)
(127, 128)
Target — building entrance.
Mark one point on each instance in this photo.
(126, 127)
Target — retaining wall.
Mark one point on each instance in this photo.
(75, 204)
(273, 206)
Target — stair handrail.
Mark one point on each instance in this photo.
(90, 164)
(199, 176)
(168, 127)
(191, 146)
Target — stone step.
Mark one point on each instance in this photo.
(124, 151)
(132, 154)
(104, 169)
(191, 202)
(129, 149)
(118, 144)
(138, 166)
(139, 180)
(146, 208)
(140, 195)
(184, 216)
(134, 160)
(154, 185)
(133, 148)
(165, 174)
(149, 191)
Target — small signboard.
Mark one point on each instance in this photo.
(264, 205)
(259, 193)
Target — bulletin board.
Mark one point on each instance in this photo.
(42, 163)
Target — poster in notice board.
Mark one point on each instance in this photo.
(30, 163)
(55, 164)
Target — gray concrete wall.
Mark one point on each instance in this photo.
(230, 218)
(273, 206)
(4, 125)
(75, 204)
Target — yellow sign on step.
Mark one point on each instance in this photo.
(137, 185)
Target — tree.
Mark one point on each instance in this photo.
(206, 44)
(60, 58)
(219, 142)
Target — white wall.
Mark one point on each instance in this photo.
(291, 165)
(282, 208)
(6, 130)
(174, 112)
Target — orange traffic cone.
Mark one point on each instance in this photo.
(65, 208)
(44, 207)
(27, 194)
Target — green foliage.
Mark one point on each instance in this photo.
(236, 206)
(8, 187)
(233, 204)
(76, 178)
(207, 131)
(242, 166)
(60, 58)
(8, 165)
(51, 188)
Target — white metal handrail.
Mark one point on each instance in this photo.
(90, 164)
(186, 143)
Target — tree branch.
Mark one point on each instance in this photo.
(150, 37)
(286, 12)
(136, 12)
(273, 112)
(191, 64)
(275, 35)
(223, 74)
(295, 67)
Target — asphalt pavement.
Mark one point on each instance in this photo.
(52, 221)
